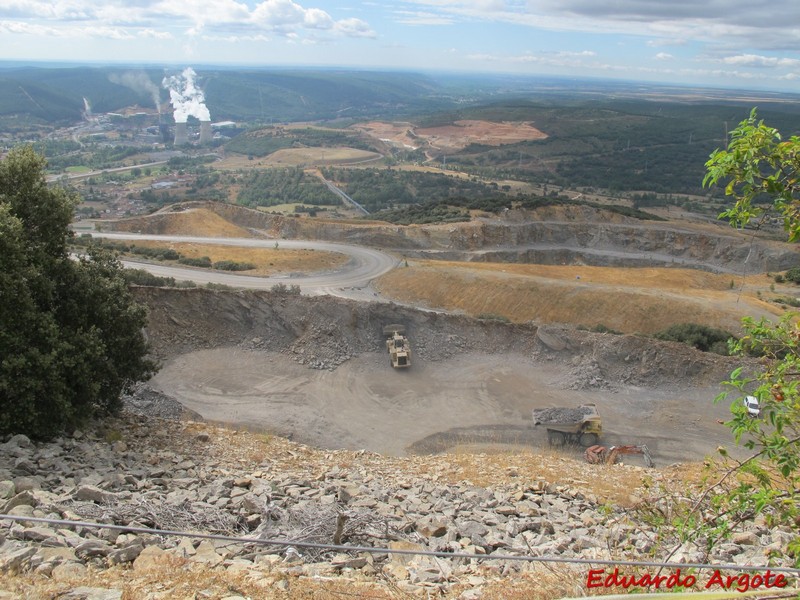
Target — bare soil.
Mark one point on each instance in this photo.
(473, 398)
(453, 137)
(314, 368)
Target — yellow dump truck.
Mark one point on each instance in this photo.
(580, 425)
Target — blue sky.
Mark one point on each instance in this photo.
(719, 43)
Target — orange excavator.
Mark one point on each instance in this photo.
(600, 455)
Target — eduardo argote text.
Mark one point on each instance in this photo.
(599, 578)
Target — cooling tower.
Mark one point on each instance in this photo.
(181, 134)
(205, 133)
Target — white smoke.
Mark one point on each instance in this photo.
(140, 83)
(87, 108)
(187, 99)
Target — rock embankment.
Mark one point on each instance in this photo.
(147, 472)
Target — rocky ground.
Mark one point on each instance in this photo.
(153, 472)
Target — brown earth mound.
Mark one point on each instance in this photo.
(453, 137)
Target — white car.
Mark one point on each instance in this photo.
(752, 406)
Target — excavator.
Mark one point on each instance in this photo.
(600, 455)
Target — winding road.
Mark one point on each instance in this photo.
(350, 281)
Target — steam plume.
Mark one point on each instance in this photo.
(186, 98)
(140, 83)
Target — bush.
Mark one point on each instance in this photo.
(702, 337)
(203, 261)
(493, 317)
(230, 265)
(793, 275)
(145, 278)
(284, 290)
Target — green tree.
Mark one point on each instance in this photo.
(71, 335)
(759, 163)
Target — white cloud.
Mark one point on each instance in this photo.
(407, 17)
(664, 56)
(158, 35)
(354, 28)
(220, 18)
(753, 60)
(752, 24)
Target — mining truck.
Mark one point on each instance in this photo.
(398, 347)
(579, 425)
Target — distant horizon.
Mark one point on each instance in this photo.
(718, 44)
(489, 75)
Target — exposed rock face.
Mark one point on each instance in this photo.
(146, 472)
(323, 332)
(549, 236)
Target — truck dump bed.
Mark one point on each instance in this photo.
(559, 415)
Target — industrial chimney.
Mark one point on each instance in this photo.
(205, 133)
(181, 134)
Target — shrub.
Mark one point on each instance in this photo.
(284, 290)
(230, 265)
(493, 317)
(702, 337)
(793, 275)
(203, 261)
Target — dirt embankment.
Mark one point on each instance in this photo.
(555, 235)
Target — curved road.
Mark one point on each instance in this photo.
(365, 264)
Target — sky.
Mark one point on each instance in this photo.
(745, 44)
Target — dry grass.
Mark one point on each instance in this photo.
(268, 261)
(643, 300)
(293, 157)
(196, 221)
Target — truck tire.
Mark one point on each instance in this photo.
(588, 439)
(556, 438)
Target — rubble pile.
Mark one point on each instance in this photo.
(141, 471)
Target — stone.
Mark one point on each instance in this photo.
(126, 554)
(68, 571)
(403, 559)
(7, 490)
(92, 549)
(14, 556)
(27, 484)
(26, 498)
(55, 555)
(90, 593)
(745, 538)
(430, 527)
(24, 465)
(94, 494)
(151, 556)
(206, 553)
(43, 535)
(20, 441)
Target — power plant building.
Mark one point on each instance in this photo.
(181, 134)
(205, 133)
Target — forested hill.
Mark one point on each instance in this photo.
(51, 95)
